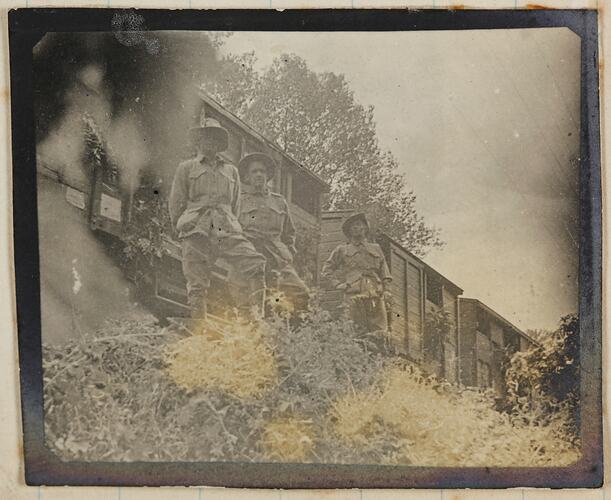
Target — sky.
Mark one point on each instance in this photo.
(484, 125)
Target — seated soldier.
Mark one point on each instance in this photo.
(359, 269)
(267, 223)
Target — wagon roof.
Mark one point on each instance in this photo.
(251, 131)
(500, 318)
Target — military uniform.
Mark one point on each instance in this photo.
(204, 205)
(267, 223)
(362, 268)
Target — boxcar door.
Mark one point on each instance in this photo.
(398, 288)
(414, 312)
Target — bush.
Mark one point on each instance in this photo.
(240, 362)
(316, 392)
(544, 380)
(439, 425)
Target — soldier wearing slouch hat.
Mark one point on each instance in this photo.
(358, 268)
(204, 206)
(267, 222)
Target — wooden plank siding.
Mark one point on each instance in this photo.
(415, 304)
(304, 218)
(398, 324)
(524, 344)
(496, 333)
(484, 335)
(450, 305)
(408, 297)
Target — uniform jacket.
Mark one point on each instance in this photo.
(205, 197)
(362, 266)
(266, 220)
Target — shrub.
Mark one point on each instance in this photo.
(316, 392)
(288, 439)
(544, 379)
(439, 425)
(240, 362)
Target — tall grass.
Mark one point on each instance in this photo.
(318, 392)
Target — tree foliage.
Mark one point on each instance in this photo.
(316, 119)
(545, 378)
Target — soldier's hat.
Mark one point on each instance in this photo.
(211, 128)
(351, 220)
(268, 161)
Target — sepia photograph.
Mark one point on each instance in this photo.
(309, 247)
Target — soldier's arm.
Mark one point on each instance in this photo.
(179, 193)
(236, 205)
(331, 266)
(288, 230)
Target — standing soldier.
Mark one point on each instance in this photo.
(204, 206)
(267, 223)
(359, 269)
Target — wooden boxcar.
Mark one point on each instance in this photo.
(418, 291)
(485, 339)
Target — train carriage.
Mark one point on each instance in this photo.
(486, 339)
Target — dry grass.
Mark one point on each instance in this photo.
(288, 439)
(239, 362)
(318, 393)
(440, 426)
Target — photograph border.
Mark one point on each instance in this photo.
(26, 28)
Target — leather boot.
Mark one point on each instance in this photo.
(256, 297)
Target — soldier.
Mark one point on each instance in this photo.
(359, 269)
(204, 206)
(267, 223)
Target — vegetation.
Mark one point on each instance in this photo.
(544, 380)
(316, 392)
(438, 328)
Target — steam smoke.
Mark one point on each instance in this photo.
(61, 150)
(128, 149)
(151, 96)
(142, 102)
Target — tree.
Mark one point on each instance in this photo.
(539, 334)
(546, 376)
(315, 118)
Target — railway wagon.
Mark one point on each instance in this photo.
(486, 339)
(420, 294)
